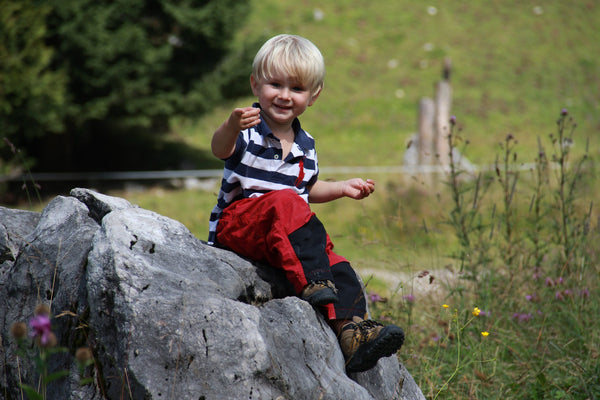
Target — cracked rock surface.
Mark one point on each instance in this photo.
(165, 315)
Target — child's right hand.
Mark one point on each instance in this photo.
(244, 118)
(224, 138)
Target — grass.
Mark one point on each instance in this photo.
(515, 66)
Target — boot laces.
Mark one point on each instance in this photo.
(366, 329)
(328, 284)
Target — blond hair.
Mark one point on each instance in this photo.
(292, 56)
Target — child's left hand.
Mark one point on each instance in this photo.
(357, 188)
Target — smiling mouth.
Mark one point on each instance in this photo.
(282, 107)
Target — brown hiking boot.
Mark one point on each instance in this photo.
(365, 342)
(320, 293)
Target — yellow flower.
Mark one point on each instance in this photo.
(476, 311)
(445, 305)
(485, 333)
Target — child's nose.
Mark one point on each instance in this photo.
(284, 93)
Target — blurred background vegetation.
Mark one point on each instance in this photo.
(140, 85)
(93, 85)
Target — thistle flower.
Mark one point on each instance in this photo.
(18, 330)
(453, 120)
(41, 309)
(42, 331)
(522, 317)
(83, 355)
(532, 297)
(374, 297)
(409, 298)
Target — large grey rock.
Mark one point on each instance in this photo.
(166, 315)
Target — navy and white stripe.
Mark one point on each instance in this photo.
(256, 167)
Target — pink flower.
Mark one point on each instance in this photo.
(409, 298)
(531, 297)
(40, 325)
(522, 317)
(374, 297)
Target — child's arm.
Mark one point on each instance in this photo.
(324, 191)
(224, 138)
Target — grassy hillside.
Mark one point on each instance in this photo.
(516, 64)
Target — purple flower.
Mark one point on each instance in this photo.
(409, 298)
(453, 120)
(522, 317)
(40, 325)
(559, 296)
(584, 293)
(525, 317)
(564, 112)
(374, 297)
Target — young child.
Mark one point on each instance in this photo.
(271, 176)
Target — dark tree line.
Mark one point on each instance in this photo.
(92, 84)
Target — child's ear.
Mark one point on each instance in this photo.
(254, 85)
(315, 96)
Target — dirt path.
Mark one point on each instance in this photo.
(431, 284)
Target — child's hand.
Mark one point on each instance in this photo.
(244, 118)
(357, 188)
(224, 138)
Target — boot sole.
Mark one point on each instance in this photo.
(322, 297)
(387, 343)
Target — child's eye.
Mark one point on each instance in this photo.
(298, 89)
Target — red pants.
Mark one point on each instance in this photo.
(280, 229)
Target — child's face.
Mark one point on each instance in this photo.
(281, 99)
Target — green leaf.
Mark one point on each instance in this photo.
(55, 375)
(31, 392)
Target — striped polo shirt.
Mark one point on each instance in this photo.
(256, 167)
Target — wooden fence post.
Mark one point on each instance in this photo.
(443, 104)
(426, 138)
